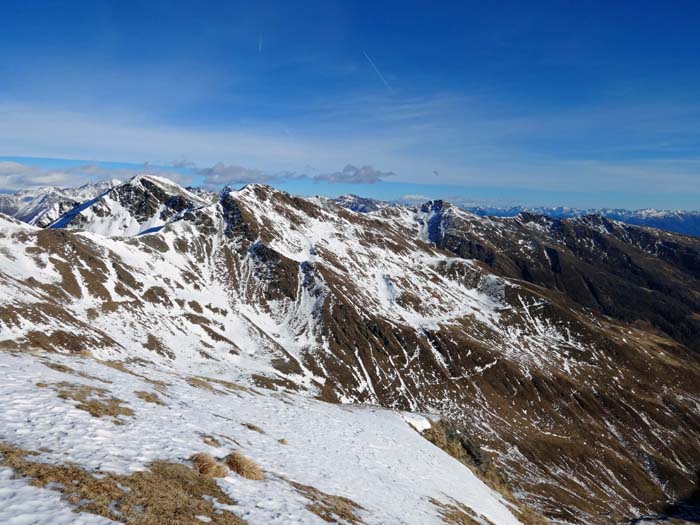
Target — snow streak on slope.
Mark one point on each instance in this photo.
(368, 454)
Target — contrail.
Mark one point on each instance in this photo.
(376, 69)
(260, 43)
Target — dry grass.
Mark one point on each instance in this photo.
(207, 383)
(96, 401)
(208, 466)
(254, 428)
(447, 437)
(68, 370)
(160, 386)
(210, 440)
(457, 513)
(149, 397)
(198, 382)
(333, 509)
(244, 466)
(168, 493)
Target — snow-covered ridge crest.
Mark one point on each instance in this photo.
(143, 204)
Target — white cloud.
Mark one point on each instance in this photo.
(353, 175)
(15, 176)
(221, 174)
(414, 198)
(459, 139)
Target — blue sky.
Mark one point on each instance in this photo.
(571, 103)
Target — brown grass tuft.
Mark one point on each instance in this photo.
(204, 385)
(210, 440)
(149, 397)
(328, 507)
(252, 427)
(160, 386)
(68, 370)
(167, 493)
(282, 441)
(457, 513)
(96, 401)
(244, 466)
(208, 466)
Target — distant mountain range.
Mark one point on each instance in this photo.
(42, 206)
(677, 221)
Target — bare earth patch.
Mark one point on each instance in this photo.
(68, 370)
(160, 386)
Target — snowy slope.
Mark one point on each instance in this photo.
(367, 454)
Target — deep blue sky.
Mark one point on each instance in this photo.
(573, 103)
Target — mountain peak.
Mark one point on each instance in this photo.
(143, 204)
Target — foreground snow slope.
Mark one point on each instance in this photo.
(368, 454)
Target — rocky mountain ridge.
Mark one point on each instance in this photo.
(564, 350)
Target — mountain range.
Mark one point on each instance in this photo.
(42, 206)
(678, 221)
(555, 359)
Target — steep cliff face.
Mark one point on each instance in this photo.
(565, 350)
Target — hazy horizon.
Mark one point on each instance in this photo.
(70, 173)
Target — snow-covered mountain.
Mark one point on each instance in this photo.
(42, 206)
(145, 204)
(360, 204)
(557, 354)
(678, 221)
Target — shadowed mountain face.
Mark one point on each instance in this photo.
(565, 351)
(632, 274)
